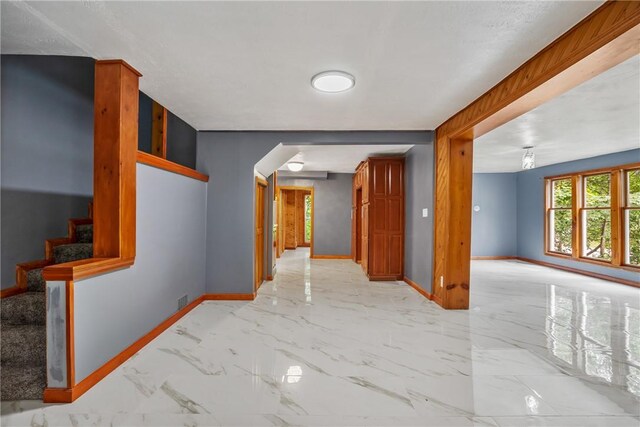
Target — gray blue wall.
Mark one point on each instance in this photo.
(331, 212)
(47, 152)
(530, 194)
(418, 241)
(515, 201)
(181, 137)
(114, 310)
(494, 230)
(229, 159)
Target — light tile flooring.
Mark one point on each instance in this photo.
(323, 346)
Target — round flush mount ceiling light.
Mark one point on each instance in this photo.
(295, 166)
(333, 81)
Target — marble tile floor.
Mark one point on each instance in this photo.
(322, 346)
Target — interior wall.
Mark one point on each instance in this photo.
(46, 152)
(181, 137)
(494, 228)
(418, 244)
(229, 159)
(114, 310)
(530, 200)
(331, 212)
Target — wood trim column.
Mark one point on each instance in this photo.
(115, 149)
(452, 255)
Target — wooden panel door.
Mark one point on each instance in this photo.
(260, 234)
(364, 241)
(300, 218)
(365, 183)
(289, 219)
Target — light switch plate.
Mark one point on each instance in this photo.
(425, 213)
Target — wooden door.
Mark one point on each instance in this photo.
(358, 225)
(261, 186)
(289, 219)
(364, 243)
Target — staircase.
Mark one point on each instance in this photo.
(23, 341)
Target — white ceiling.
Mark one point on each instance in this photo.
(247, 65)
(598, 117)
(330, 158)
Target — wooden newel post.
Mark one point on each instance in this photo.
(114, 169)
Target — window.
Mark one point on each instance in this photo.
(307, 218)
(594, 216)
(632, 217)
(560, 221)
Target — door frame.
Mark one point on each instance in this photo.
(279, 213)
(261, 185)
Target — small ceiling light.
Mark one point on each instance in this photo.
(295, 166)
(528, 158)
(333, 81)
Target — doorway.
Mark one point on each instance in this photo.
(261, 187)
(295, 218)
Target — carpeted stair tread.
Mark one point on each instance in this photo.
(35, 281)
(84, 233)
(22, 382)
(24, 309)
(72, 252)
(23, 345)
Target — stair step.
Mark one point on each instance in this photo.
(24, 309)
(84, 233)
(22, 382)
(72, 252)
(23, 345)
(35, 281)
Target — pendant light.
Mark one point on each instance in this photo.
(528, 158)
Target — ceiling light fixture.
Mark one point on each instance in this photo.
(333, 81)
(295, 166)
(528, 158)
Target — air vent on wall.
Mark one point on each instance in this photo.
(182, 302)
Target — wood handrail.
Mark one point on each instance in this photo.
(84, 268)
(160, 163)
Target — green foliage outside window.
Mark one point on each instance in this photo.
(597, 222)
(596, 219)
(561, 218)
(307, 218)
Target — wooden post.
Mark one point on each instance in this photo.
(159, 131)
(115, 148)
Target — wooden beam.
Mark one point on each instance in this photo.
(608, 36)
(115, 149)
(159, 131)
(602, 40)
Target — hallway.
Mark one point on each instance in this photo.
(323, 346)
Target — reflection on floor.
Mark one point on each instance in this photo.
(323, 346)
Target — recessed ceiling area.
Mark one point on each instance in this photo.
(329, 158)
(600, 116)
(248, 65)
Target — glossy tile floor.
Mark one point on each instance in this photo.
(323, 346)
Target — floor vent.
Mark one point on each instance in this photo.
(182, 302)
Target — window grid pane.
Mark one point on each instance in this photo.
(597, 191)
(632, 186)
(561, 196)
(632, 237)
(596, 234)
(560, 231)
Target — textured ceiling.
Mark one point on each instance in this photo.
(247, 65)
(598, 117)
